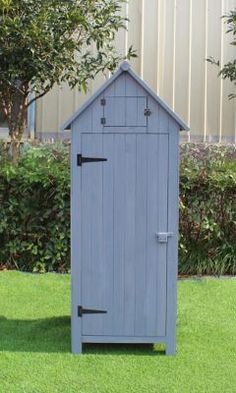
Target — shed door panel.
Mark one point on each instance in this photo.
(125, 111)
(124, 204)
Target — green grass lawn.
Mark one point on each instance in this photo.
(35, 343)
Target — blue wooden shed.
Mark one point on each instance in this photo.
(124, 215)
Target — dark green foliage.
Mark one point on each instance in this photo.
(208, 210)
(35, 209)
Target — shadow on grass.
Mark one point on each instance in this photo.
(38, 335)
(52, 335)
(124, 349)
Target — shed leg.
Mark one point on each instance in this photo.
(76, 342)
(76, 347)
(171, 347)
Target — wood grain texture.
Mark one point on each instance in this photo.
(124, 204)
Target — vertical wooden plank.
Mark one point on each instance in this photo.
(114, 111)
(153, 120)
(182, 66)
(162, 226)
(142, 105)
(163, 120)
(50, 123)
(132, 88)
(141, 236)
(150, 18)
(134, 36)
(213, 82)
(39, 115)
(135, 107)
(108, 233)
(119, 241)
(205, 72)
(167, 81)
(156, 258)
(110, 91)
(142, 32)
(120, 37)
(172, 250)
(160, 44)
(228, 106)
(84, 122)
(97, 114)
(94, 265)
(76, 240)
(198, 66)
(153, 207)
(129, 234)
(86, 236)
(120, 85)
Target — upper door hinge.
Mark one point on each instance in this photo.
(103, 101)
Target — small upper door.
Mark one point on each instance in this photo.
(125, 111)
(124, 205)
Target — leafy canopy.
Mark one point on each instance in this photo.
(45, 42)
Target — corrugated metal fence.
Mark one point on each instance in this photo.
(173, 38)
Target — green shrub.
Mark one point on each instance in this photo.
(35, 209)
(208, 209)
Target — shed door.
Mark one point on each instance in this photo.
(124, 204)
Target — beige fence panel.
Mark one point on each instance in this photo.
(173, 38)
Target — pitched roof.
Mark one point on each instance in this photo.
(125, 67)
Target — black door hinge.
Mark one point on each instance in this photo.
(103, 120)
(103, 101)
(82, 311)
(81, 160)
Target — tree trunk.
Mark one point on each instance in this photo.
(16, 133)
(17, 124)
(16, 136)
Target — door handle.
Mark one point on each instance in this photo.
(162, 237)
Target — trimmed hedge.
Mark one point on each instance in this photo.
(35, 209)
(208, 209)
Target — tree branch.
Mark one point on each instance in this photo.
(37, 97)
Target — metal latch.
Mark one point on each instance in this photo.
(147, 112)
(82, 311)
(162, 237)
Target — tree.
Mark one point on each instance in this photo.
(228, 71)
(48, 42)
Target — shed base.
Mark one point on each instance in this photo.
(124, 340)
(170, 344)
